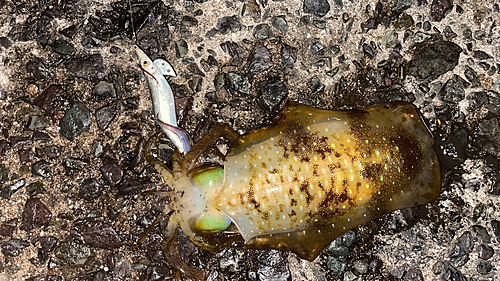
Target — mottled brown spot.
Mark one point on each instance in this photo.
(315, 170)
(263, 165)
(333, 167)
(293, 202)
(265, 215)
(251, 199)
(304, 189)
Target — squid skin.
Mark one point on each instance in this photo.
(311, 175)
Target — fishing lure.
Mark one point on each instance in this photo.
(298, 183)
(161, 94)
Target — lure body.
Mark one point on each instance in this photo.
(161, 93)
(305, 179)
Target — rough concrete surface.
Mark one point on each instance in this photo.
(71, 145)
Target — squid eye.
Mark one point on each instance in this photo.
(145, 63)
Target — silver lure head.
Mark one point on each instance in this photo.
(153, 67)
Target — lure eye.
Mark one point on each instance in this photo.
(145, 63)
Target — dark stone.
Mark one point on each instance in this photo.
(482, 233)
(72, 253)
(427, 25)
(89, 67)
(47, 245)
(452, 274)
(40, 136)
(262, 31)
(69, 31)
(360, 266)
(273, 265)
(472, 76)
(484, 267)
(439, 8)
(13, 247)
(62, 47)
(272, 91)
(25, 155)
(288, 54)
(236, 52)
(35, 214)
(7, 229)
(335, 265)
(3, 94)
(368, 51)
(484, 65)
(315, 86)
(188, 21)
(4, 173)
(401, 6)
(131, 103)
(495, 188)
(452, 91)
(52, 151)
(5, 42)
(195, 84)
(112, 173)
(260, 59)
(481, 55)
(37, 122)
(51, 99)
(233, 82)
(90, 189)
(181, 48)
(279, 22)
(487, 136)
(35, 188)
(105, 115)
(42, 168)
(466, 241)
(495, 225)
(477, 99)
(139, 147)
(448, 33)
(7, 191)
(75, 121)
(127, 186)
(406, 21)
(414, 274)
(225, 25)
(96, 234)
(73, 165)
(316, 7)
(251, 8)
(485, 251)
(459, 254)
(131, 128)
(371, 23)
(103, 90)
(194, 69)
(39, 70)
(435, 60)
(20, 142)
(317, 49)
